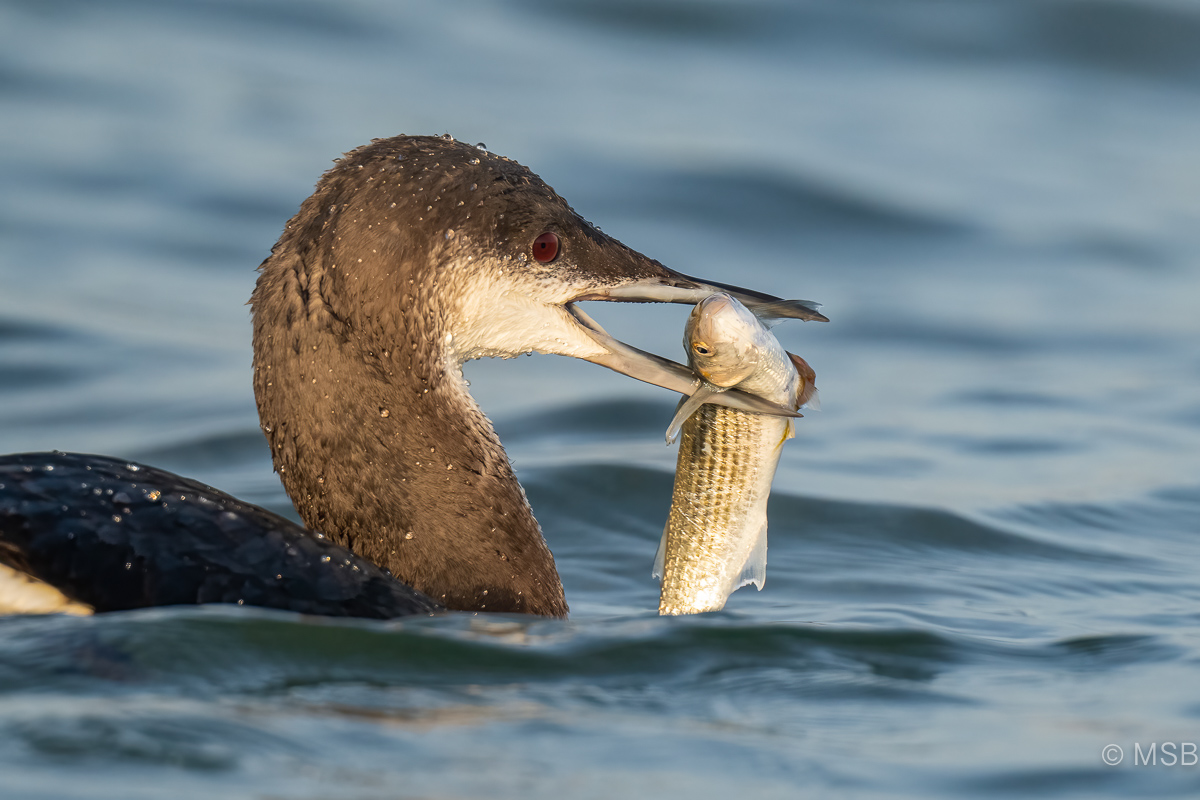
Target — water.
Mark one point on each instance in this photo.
(983, 561)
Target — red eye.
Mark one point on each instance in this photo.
(545, 247)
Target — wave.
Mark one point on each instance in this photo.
(748, 197)
(224, 651)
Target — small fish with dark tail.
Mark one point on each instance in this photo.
(715, 539)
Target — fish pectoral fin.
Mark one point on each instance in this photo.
(808, 383)
(688, 405)
(755, 569)
(660, 556)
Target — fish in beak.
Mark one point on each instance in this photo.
(668, 286)
(659, 371)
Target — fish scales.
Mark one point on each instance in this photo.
(722, 482)
(715, 537)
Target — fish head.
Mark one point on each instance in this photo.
(724, 340)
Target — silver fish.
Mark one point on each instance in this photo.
(715, 539)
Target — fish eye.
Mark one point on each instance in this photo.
(545, 247)
(701, 350)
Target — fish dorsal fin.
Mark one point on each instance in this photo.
(772, 311)
(755, 569)
(660, 556)
(688, 405)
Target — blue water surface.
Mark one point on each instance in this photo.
(985, 551)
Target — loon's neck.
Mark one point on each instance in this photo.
(381, 447)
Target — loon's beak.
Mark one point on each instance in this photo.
(676, 288)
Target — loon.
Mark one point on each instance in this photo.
(413, 255)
